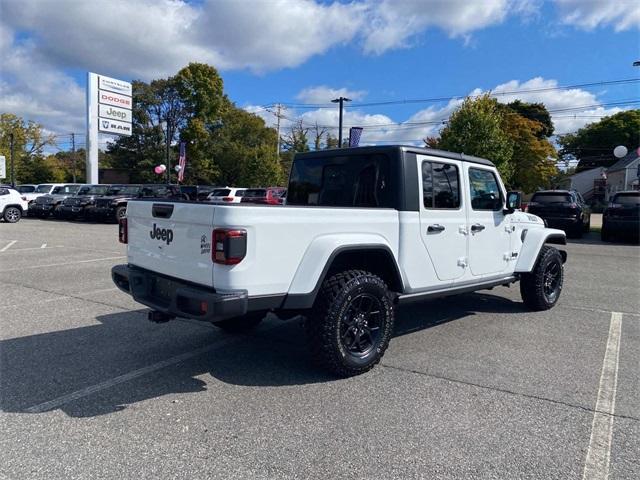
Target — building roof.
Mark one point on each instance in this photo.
(625, 161)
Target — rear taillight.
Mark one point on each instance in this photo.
(123, 231)
(229, 246)
(227, 199)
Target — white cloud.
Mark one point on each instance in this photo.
(591, 14)
(324, 94)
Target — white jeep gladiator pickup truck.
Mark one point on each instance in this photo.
(362, 231)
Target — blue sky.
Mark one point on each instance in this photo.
(306, 51)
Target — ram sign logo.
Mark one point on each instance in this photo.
(114, 126)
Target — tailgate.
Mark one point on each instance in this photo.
(172, 238)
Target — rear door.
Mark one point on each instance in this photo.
(172, 238)
(442, 216)
(489, 228)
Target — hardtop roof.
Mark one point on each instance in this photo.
(396, 148)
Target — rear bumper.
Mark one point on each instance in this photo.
(176, 297)
(622, 225)
(562, 223)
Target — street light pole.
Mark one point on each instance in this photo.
(13, 179)
(341, 101)
(167, 155)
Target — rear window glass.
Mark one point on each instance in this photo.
(255, 192)
(345, 181)
(627, 198)
(552, 198)
(220, 192)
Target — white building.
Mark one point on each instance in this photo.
(624, 174)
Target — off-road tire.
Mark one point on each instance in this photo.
(12, 214)
(121, 212)
(241, 324)
(605, 236)
(577, 231)
(326, 325)
(587, 226)
(534, 289)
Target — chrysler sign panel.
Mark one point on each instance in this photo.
(114, 85)
(114, 126)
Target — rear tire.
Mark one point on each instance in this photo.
(241, 324)
(121, 212)
(605, 236)
(351, 323)
(12, 214)
(540, 289)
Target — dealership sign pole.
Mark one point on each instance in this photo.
(109, 104)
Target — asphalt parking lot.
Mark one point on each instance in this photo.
(471, 387)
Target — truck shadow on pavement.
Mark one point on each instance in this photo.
(46, 367)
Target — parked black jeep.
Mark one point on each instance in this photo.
(113, 205)
(46, 205)
(621, 219)
(75, 206)
(563, 209)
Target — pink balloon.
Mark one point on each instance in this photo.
(158, 170)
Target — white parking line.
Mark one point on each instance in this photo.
(599, 453)
(62, 264)
(8, 246)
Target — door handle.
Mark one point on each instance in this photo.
(435, 228)
(477, 227)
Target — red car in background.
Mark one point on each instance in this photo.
(265, 196)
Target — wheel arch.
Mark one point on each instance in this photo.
(533, 242)
(16, 205)
(377, 259)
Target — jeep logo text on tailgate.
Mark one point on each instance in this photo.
(158, 233)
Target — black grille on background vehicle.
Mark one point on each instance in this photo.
(44, 200)
(71, 202)
(103, 203)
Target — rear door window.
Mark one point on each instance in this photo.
(440, 185)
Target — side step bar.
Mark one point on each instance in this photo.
(419, 296)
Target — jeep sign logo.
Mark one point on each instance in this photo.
(164, 234)
(115, 113)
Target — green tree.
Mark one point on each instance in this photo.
(29, 143)
(476, 128)
(534, 158)
(593, 144)
(536, 112)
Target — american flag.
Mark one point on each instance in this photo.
(354, 136)
(182, 160)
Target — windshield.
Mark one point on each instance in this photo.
(627, 198)
(66, 190)
(26, 188)
(43, 188)
(552, 197)
(123, 190)
(93, 190)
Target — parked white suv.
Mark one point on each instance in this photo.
(12, 204)
(226, 195)
(362, 231)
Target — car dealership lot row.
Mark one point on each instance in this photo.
(472, 386)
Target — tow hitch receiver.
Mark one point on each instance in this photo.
(159, 317)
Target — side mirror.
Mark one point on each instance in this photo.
(514, 202)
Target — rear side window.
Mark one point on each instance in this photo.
(440, 185)
(345, 181)
(255, 192)
(552, 197)
(627, 198)
(484, 190)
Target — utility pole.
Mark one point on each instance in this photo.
(341, 101)
(168, 159)
(278, 115)
(73, 153)
(13, 180)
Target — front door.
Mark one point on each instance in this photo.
(489, 228)
(442, 216)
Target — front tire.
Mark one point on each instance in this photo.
(121, 212)
(351, 323)
(540, 289)
(241, 324)
(12, 214)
